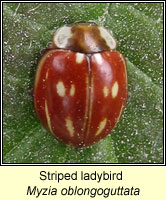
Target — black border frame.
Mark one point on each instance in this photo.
(82, 164)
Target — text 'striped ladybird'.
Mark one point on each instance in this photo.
(80, 85)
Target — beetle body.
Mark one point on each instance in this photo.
(80, 85)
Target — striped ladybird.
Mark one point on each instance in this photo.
(80, 85)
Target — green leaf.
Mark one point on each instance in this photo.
(138, 28)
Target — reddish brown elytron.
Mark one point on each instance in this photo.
(80, 85)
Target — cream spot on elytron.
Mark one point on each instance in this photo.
(124, 63)
(72, 90)
(79, 57)
(122, 59)
(105, 91)
(115, 88)
(47, 74)
(61, 90)
(48, 117)
(98, 58)
(69, 126)
(101, 126)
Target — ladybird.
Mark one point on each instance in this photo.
(80, 86)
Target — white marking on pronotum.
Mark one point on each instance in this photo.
(61, 90)
(62, 36)
(105, 91)
(69, 126)
(79, 58)
(72, 90)
(101, 126)
(115, 88)
(48, 117)
(108, 38)
(98, 58)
